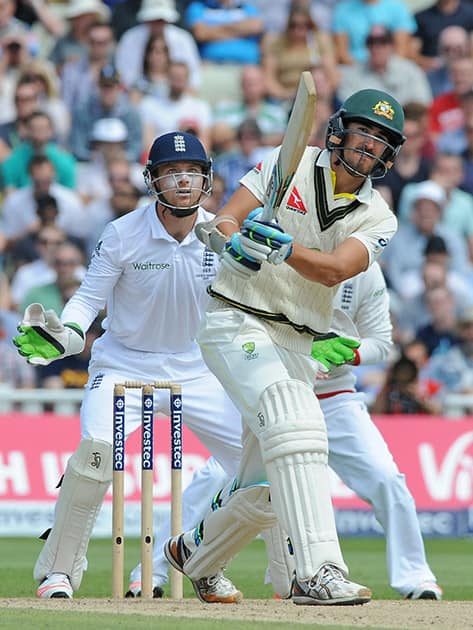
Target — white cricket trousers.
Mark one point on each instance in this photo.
(361, 458)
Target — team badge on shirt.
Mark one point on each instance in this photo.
(249, 349)
(207, 268)
(97, 249)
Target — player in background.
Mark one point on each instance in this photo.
(357, 452)
(262, 333)
(151, 272)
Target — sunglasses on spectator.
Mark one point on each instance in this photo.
(65, 261)
(20, 99)
(50, 241)
(100, 42)
(299, 24)
(378, 41)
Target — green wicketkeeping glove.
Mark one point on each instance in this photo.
(44, 338)
(331, 350)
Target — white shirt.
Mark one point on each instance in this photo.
(166, 115)
(33, 274)
(19, 211)
(131, 47)
(154, 287)
(364, 300)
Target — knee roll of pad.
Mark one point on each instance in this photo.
(93, 459)
(293, 422)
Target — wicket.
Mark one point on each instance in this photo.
(147, 458)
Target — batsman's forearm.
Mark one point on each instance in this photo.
(239, 206)
(330, 268)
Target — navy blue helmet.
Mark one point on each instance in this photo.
(177, 146)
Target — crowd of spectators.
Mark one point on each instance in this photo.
(86, 85)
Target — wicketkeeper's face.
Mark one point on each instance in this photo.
(182, 183)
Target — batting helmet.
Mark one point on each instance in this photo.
(177, 146)
(373, 107)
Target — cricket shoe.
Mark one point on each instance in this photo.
(55, 586)
(134, 590)
(216, 589)
(329, 587)
(426, 590)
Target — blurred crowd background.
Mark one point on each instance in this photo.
(85, 87)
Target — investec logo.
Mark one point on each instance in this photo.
(147, 433)
(119, 433)
(176, 433)
(150, 266)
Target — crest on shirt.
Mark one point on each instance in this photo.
(347, 296)
(207, 269)
(249, 348)
(97, 248)
(295, 202)
(257, 168)
(384, 108)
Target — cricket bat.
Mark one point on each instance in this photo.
(293, 145)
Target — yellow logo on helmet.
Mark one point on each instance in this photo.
(383, 108)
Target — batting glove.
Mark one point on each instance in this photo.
(264, 240)
(44, 338)
(237, 261)
(331, 350)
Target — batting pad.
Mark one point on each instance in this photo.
(294, 449)
(86, 480)
(281, 563)
(241, 516)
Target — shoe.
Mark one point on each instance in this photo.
(329, 588)
(55, 586)
(134, 590)
(426, 590)
(216, 589)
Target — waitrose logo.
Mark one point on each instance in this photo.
(150, 266)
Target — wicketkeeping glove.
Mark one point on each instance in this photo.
(265, 240)
(236, 260)
(44, 338)
(331, 350)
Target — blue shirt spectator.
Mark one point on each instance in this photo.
(110, 103)
(355, 18)
(217, 27)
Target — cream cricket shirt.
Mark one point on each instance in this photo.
(319, 220)
(153, 286)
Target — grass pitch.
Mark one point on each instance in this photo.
(450, 560)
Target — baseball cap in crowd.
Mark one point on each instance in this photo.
(379, 34)
(429, 189)
(109, 75)
(157, 10)
(109, 130)
(82, 7)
